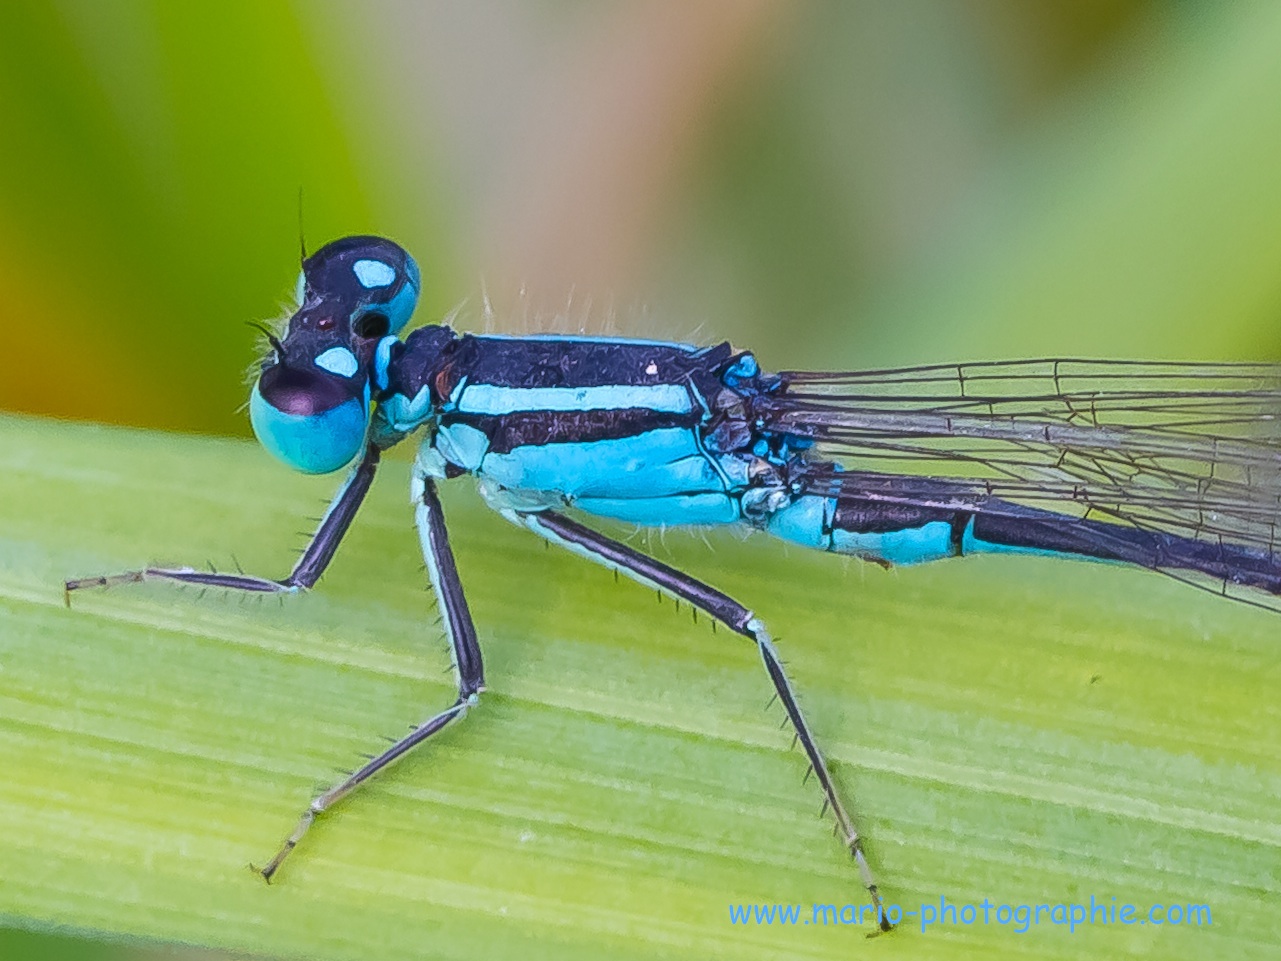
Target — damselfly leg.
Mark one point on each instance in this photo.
(315, 558)
(585, 542)
(311, 564)
(464, 646)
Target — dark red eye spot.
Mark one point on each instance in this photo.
(326, 323)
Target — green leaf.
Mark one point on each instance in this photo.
(1024, 731)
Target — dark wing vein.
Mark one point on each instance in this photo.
(1187, 449)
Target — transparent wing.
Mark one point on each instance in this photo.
(1192, 450)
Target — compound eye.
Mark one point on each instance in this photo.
(313, 422)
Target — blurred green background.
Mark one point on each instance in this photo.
(833, 184)
(845, 183)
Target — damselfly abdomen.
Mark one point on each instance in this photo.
(1171, 467)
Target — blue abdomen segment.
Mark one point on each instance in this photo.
(932, 541)
(898, 532)
(824, 523)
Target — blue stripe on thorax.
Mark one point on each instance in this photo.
(496, 400)
(580, 339)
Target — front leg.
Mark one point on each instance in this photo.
(465, 650)
(315, 558)
(581, 540)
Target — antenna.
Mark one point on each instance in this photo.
(302, 240)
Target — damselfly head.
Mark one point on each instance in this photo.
(311, 404)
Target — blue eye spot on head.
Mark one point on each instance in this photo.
(340, 361)
(373, 273)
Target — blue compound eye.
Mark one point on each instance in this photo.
(314, 422)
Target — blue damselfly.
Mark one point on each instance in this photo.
(1174, 467)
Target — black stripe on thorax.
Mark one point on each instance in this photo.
(506, 432)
